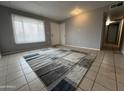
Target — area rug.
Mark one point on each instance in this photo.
(60, 69)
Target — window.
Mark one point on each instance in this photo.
(28, 30)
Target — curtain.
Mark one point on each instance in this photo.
(28, 30)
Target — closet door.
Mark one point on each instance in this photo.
(55, 33)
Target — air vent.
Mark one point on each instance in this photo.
(116, 5)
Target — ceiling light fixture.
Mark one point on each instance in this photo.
(108, 21)
(76, 11)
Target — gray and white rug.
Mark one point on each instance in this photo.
(60, 69)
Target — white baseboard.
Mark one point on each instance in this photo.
(83, 47)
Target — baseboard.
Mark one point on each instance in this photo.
(56, 45)
(21, 50)
(83, 47)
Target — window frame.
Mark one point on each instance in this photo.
(14, 32)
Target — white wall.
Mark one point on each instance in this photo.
(85, 29)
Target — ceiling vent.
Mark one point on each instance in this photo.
(116, 5)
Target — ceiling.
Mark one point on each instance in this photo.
(57, 10)
(116, 13)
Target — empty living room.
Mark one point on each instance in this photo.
(61, 46)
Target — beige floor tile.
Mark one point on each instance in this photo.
(3, 74)
(13, 62)
(120, 75)
(11, 70)
(108, 63)
(120, 71)
(91, 75)
(24, 88)
(106, 82)
(14, 76)
(119, 63)
(108, 54)
(119, 67)
(98, 87)
(99, 57)
(86, 84)
(3, 62)
(16, 84)
(13, 65)
(2, 67)
(2, 88)
(120, 86)
(120, 78)
(119, 59)
(79, 89)
(96, 63)
(36, 85)
(94, 68)
(108, 60)
(108, 74)
(2, 81)
(106, 69)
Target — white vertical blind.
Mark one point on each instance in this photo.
(28, 30)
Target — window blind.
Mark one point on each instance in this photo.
(28, 30)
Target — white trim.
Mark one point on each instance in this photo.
(83, 47)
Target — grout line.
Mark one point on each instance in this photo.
(25, 76)
(98, 71)
(6, 74)
(115, 72)
(86, 74)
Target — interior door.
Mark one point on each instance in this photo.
(62, 31)
(55, 34)
(112, 33)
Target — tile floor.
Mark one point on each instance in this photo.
(105, 74)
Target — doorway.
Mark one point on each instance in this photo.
(113, 33)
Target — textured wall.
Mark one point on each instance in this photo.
(85, 29)
(7, 43)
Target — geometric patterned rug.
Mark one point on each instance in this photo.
(60, 69)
